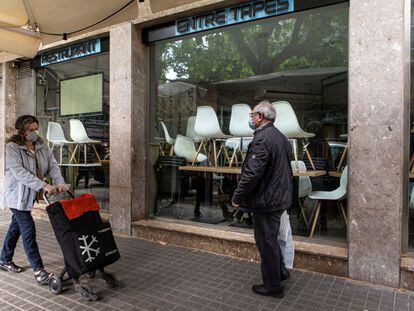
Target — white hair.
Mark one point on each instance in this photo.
(267, 109)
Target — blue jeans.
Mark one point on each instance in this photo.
(22, 224)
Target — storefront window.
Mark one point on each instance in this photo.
(73, 105)
(411, 168)
(299, 62)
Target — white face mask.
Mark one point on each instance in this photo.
(33, 136)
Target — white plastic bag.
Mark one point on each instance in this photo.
(286, 241)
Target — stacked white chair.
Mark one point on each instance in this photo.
(239, 129)
(168, 138)
(80, 137)
(287, 122)
(184, 147)
(56, 137)
(190, 133)
(339, 194)
(207, 126)
(305, 188)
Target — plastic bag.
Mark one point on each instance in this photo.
(286, 241)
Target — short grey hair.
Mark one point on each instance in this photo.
(267, 109)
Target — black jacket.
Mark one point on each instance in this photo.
(266, 180)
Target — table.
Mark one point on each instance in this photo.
(237, 170)
(336, 174)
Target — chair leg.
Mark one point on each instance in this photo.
(342, 208)
(302, 210)
(342, 157)
(85, 153)
(161, 150)
(171, 150)
(412, 164)
(233, 156)
(74, 153)
(96, 153)
(295, 155)
(198, 152)
(315, 219)
(61, 154)
(215, 152)
(309, 158)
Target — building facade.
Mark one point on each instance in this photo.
(140, 88)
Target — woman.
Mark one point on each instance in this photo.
(27, 162)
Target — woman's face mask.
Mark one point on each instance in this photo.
(32, 136)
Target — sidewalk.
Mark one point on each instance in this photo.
(158, 277)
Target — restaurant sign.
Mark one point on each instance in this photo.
(71, 52)
(233, 15)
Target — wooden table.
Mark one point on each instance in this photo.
(337, 174)
(237, 170)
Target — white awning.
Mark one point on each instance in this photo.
(48, 20)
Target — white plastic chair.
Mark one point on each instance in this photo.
(239, 127)
(56, 137)
(287, 122)
(80, 137)
(338, 195)
(305, 187)
(184, 147)
(207, 126)
(168, 138)
(190, 133)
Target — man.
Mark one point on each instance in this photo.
(265, 189)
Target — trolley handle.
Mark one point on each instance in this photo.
(47, 197)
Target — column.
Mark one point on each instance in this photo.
(8, 98)
(379, 86)
(128, 127)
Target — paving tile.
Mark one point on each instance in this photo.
(158, 278)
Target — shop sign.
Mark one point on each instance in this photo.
(233, 15)
(71, 52)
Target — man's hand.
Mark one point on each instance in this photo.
(234, 204)
(50, 189)
(62, 188)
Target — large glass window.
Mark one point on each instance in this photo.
(73, 105)
(299, 62)
(411, 168)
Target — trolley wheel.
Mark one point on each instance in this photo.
(55, 285)
(111, 281)
(86, 292)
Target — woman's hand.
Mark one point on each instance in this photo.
(62, 188)
(50, 189)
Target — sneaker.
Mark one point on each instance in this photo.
(10, 267)
(42, 276)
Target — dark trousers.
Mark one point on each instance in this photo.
(22, 224)
(266, 230)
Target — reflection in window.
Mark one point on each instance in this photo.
(73, 105)
(297, 61)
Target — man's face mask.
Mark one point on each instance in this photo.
(32, 136)
(252, 124)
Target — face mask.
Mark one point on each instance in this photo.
(251, 124)
(32, 136)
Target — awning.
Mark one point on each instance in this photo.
(48, 20)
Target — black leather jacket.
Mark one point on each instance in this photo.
(266, 180)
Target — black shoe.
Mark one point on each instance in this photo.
(198, 215)
(42, 276)
(262, 290)
(10, 267)
(284, 274)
